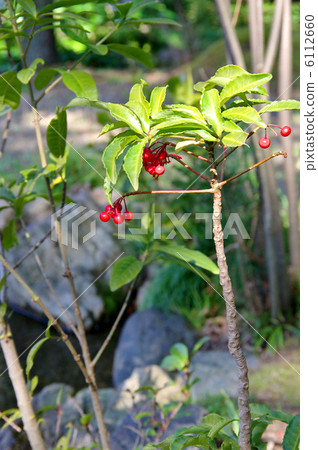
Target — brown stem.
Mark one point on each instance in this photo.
(176, 191)
(5, 133)
(233, 334)
(118, 318)
(188, 167)
(193, 154)
(253, 167)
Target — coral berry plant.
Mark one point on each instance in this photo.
(223, 122)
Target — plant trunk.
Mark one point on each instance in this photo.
(285, 118)
(233, 334)
(30, 424)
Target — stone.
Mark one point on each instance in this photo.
(130, 434)
(87, 258)
(146, 339)
(217, 371)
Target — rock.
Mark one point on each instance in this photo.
(87, 262)
(7, 440)
(129, 434)
(158, 379)
(146, 339)
(216, 371)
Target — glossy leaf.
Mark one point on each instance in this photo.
(154, 21)
(133, 162)
(190, 256)
(44, 77)
(141, 112)
(242, 83)
(234, 139)
(182, 144)
(181, 351)
(245, 114)
(6, 194)
(137, 95)
(113, 150)
(157, 98)
(190, 112)
(29, 6)
(229, 126)
(10, 90)
(210, 106)
(9, 235)
(222, 76)
(64, 3)
(281, 105)
(31, 355)
(138, 4)
(292, 434)
(124, 271)
(125, 114)
(85, 102)
(56, 134)
(81, 83)
(112, 126)
(172, 362)
(133, 53)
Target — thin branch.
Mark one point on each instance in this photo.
(6, 133)
(236, 13)
(219, 160)
(188, 167)
(272, 46)
(118, 318)
(193, 154)
(177, 191)
(11, 424)
(252, 167)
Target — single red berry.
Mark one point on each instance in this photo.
(264, 142)
(128, 215)
(160, 170)
(112, 213)
(285, 131)
(118, 218)
(108, 208)
(104, 216)
(151, 170)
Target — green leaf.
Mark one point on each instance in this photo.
(133, 162)
(108, 189)
(172, 362)
(157, 97)
(86, 419)
(124, 8)
(29, 6)
(10, 89)
(31, 355)
(124, 271)
(187, 111)
(132, 52)
(3, 306)
(243, 83)
(79, 34)
(33, 383)
(259, 410)
(137, 95)
(6, 194)
(112, 126)
(222, 76)
(235, 139)
(199, 344)
(81, 83)
(292, 434)
(56, 134)
(44, 77)
(190, 256)
(168, 120)
(245, 114)
(141, 112)
(113, 150)
(281, 105)
(9, 234)
(219, 425)
(180, 350)
(180, 145)
(229, 126)
(125, 114)
(85, 102)
(210, 106)
(154, 21)
(25, 75)
(138, 4)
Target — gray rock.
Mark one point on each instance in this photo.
(216, 371)
(146, 339)
(93, 255)
(7, 441)
(130, 434)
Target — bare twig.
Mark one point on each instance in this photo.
(236, 13)
(6, 133)
(188, 167)
(11, 424)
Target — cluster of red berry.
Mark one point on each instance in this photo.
(115, 212)
(265, 142)
(154, 158)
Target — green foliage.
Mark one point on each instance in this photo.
(56, 134)
(124, 271)
(10, 90)
(292, 434)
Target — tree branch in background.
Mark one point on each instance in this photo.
(230, 36)
(5, 133)
(272, 45)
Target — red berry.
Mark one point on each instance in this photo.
(159, 170)
(118, 218)
(104, 216)
(151, 170)
(108, 208)
(128, 215)
(285, 131)
(112, 213)
(118, 208)
(264, 142)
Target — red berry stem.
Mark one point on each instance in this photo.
(252, 167)
(193, 154)
(188, 167)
